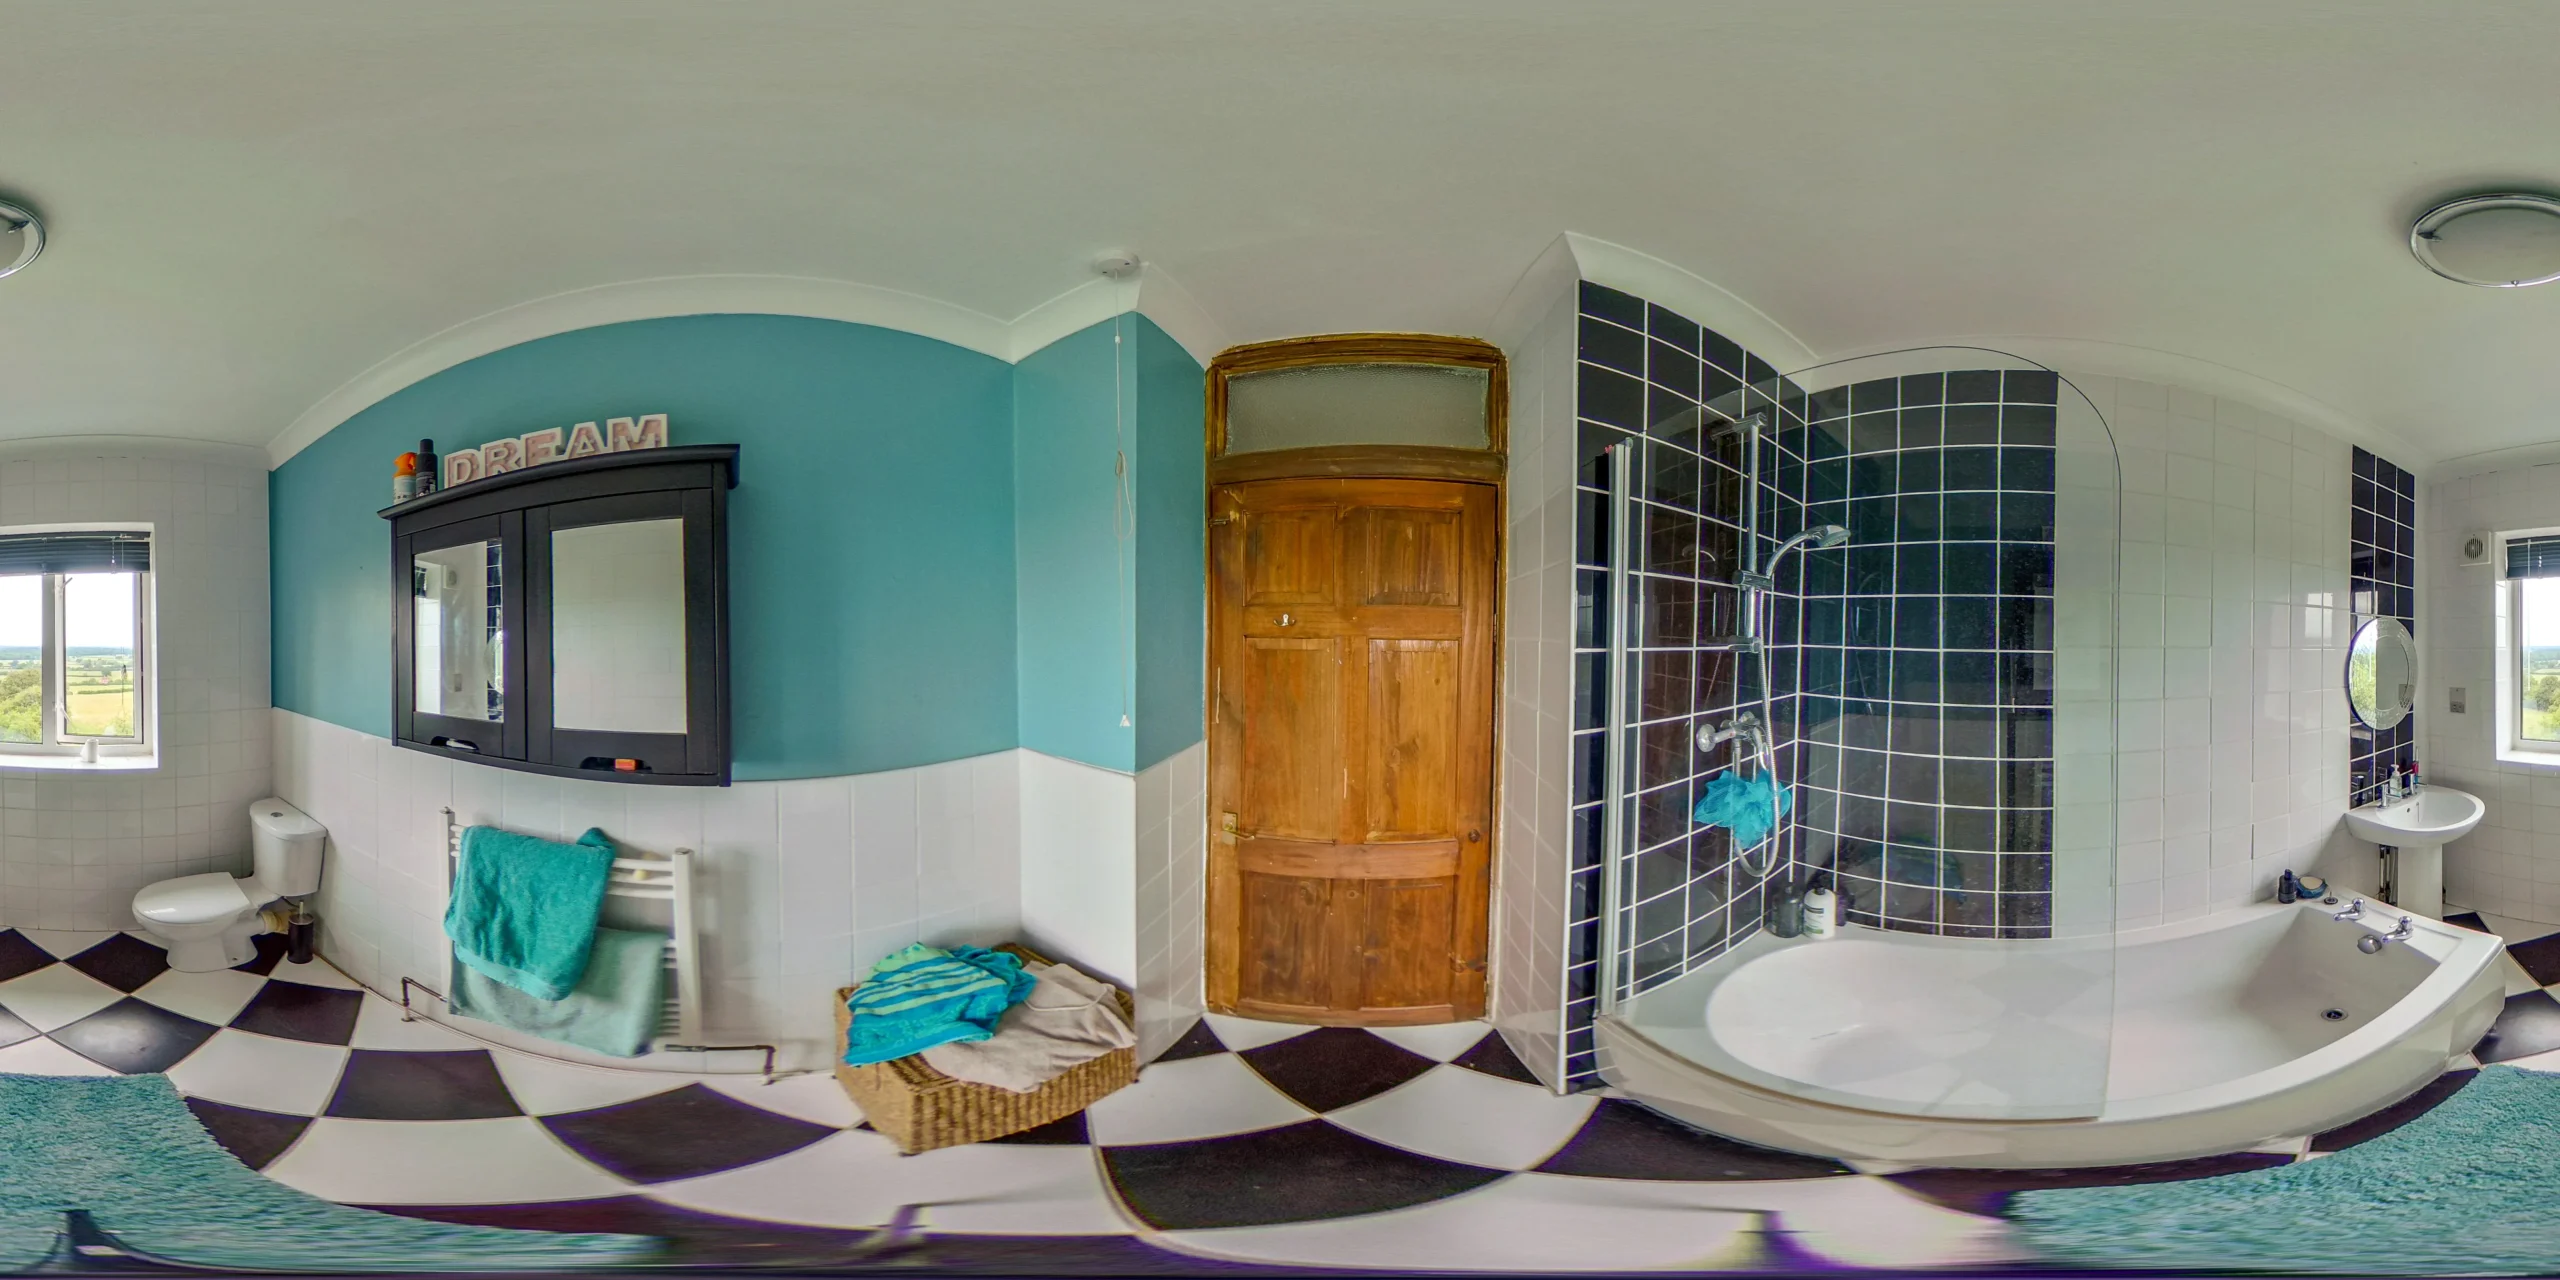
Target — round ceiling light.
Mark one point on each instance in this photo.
(21, 238)
(2496, 241)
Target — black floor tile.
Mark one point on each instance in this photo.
(256, 1137)
(2395, 1115)
(1494, 1058)
(2469, 920)
(19, 957)
(124, 962)
(1333, 1067)
(2530, 1024)
(1198, 1042)
(295, 1011)
(2540, 958)
(682, 1133)
(1067, 1131)
(14, 1029)
(1296, 1173)
(1987, 1191)
(1624, 1140)
(388, 1084)
(134, 1036)
(271, 948)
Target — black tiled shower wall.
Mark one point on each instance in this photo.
(1910, 672)
(1925, 652)
(2382, 568)
(1657, 382)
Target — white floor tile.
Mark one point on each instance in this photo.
(42, 1057)
(1524, 1223)
(55, 996)
(858, 1179)
(1470, 1117)
(378, 1026)
(62, 944)
(246, 1069)
(545, 1088)
(1440, 1042)
(318, 973)
(504, 1161)
(215, 997)
(816, 1098)
(1241, 1034)
(1864, 1222)
(1193, 1098)
(2538, 1062)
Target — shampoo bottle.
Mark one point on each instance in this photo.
(1821, 912)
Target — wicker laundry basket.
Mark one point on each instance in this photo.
(920, 1109)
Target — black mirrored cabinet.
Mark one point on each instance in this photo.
(570, 619)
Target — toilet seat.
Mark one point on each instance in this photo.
(196, 899)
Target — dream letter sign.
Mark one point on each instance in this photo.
(555, 444)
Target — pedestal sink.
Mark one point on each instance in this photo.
(2419, 827)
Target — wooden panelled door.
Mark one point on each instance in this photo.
(1351, 789)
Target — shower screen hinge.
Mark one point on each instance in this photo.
(1757, 582)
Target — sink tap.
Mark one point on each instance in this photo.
(2373, 942)
(2354, 911)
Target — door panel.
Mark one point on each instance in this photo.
(1413, 746)
(1410, 557)
(1293, 767)
(1351, 750)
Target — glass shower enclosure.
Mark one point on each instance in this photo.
(1889, 585)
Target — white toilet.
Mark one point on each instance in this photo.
(206, 921)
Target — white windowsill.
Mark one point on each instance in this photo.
(2518, 755)
(73, 764)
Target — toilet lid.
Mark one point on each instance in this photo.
(191, 899)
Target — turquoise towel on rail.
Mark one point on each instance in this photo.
(1742, 806)
(615, 1009)
(524, 909)
(925, 996)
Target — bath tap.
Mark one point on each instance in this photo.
(2354, 911)
(2373, 942)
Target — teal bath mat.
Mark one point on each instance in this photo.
(2472, 1187)
(125, 1152)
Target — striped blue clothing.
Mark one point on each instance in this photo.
(925, 996)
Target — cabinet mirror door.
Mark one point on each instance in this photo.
(458, 673)
(622, 583)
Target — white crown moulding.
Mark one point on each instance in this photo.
(1148, 292)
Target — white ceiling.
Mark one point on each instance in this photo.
(253, 201)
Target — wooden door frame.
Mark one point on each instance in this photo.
(1487, 466)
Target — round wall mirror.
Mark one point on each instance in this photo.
(2382, 673)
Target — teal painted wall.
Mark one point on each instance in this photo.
(871, 543)
(1075, 651)
(1172, 576)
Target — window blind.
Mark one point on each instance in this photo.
(2533, 557)
(110, 551)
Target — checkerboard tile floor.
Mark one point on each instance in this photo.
(1250, 1143)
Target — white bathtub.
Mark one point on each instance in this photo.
(2185, 1040)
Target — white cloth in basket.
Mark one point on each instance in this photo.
(1068, 1018)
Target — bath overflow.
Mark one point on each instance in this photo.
(2334, 1015)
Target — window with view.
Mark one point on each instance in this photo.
(2531, 643)
(75, 654)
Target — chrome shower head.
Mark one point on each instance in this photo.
(1821, 537)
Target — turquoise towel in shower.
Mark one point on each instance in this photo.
(925, 996)
(524, 909)
(1742, 805)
